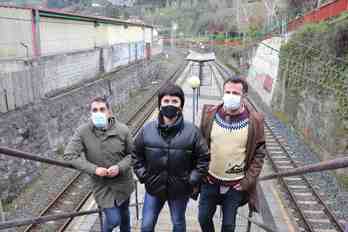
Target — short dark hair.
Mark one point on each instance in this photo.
(236, 80)
(99, 99)
(171, 90)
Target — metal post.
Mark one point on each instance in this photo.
(100, 213)
(6, 100)
(193, 106)
(319, 4)
(200, 74)
(136, 201)
(197, 96)
(2, 212)
(249, 222)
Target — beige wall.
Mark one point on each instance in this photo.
(62, 35)
(155, 34)
(134, 34)
(116, 34)
(14, 30)
(121, 34)
(148, 35)
(102, 35)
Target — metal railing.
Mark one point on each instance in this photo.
(321, 166)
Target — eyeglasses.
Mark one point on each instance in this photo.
(101, 109)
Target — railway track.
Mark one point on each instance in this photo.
(311, 211)
(77, 191)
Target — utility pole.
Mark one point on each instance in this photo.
(2, 212)
(319, 3)
(238, 15)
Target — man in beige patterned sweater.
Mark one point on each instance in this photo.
(235, 136)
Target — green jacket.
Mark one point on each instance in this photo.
(90, 148)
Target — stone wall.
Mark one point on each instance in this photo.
(28, 81)
(45, 127)
(312, 87)
(24, 82)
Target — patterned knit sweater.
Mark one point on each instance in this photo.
(228, 148)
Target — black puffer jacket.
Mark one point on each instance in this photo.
(170, 160)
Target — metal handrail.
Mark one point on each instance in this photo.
(259, 224)
(321, 166)
(43, 219)
(26, 155)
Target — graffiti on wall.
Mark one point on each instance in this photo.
(132, 51)
(120, 54)
(263, 71)
(141, 50)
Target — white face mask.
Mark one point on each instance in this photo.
(99, 120)
(231, 101)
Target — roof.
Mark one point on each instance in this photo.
(72, 16)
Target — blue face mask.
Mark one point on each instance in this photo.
(99, 120)
(231, 101)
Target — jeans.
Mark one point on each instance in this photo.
(117, 216)
(153, 206)
(211, 197)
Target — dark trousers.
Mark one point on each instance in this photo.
(210, 197)
(117, 216)
(153, 206)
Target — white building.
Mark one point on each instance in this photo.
(127, 3)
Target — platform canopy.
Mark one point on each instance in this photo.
(200, 57)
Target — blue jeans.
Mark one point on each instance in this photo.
(117, 216)
(211, 197)
(153, 206)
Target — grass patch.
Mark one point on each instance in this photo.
(341, 131)
(343, 179)
(282, 117)
(8, 205)
(60, 149)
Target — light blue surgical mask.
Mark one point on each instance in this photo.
(99, 120)
(231, 101)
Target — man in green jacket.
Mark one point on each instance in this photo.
(102, 147)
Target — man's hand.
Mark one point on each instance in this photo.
(238, 187)
(100, 171)
(113, 171)
(209, 180)
(195, 190)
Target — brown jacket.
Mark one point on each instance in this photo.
(255, 150)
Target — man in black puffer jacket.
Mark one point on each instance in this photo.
(171, 159)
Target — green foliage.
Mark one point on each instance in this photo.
(60, 149)
(166, 16)
(318, 53)
(343, 179)
(282, 117)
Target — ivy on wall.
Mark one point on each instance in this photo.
(317, 55)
